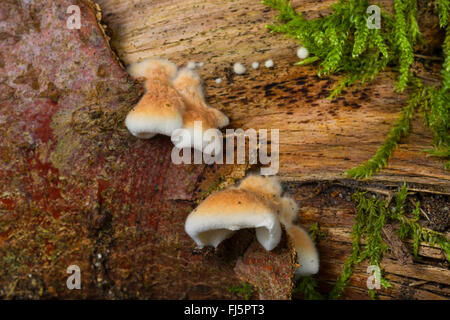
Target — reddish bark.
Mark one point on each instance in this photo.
(76, 187)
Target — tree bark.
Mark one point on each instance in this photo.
(77, 189)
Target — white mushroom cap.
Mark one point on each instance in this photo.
(307, 255)
(160, 109)
(224, 212)
(255, 65)
(207, 141)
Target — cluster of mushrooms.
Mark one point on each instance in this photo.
(174, 100)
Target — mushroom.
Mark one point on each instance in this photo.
(188, 83)
(161, 108)
(224, 212)
(174, 100)
(270, 187)
(255, 203)
(307, 255)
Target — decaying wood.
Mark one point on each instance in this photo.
(94, 196)
(77, 189)
(396, 245)
(319, 138)
(333, 210)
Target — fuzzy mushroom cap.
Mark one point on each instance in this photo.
(267, 186)
(307, 255)
(189, 84)
(224, 212)
(289, 209)
(159, 111)
(153, 69)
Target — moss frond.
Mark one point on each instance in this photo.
(342, 43)
(370, 219)
(246, 290)
(372, 215)
(400, 129)
(404, 36)
(444, 12)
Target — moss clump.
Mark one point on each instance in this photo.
(246, 290)
(344, 44)
(372, 215)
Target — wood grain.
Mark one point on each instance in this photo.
(319, 138)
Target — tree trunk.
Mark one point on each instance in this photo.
(77, 189)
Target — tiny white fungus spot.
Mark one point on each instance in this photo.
(255, 65)
(269, 63)
(219, 80)
(302, 53)
(239, 68)
(191, 65)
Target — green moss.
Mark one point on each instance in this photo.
(246, 290)
(372, 215)
(400, 129)
(342, 43)
(307, 286)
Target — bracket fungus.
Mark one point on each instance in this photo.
(307, 255)
(160, 109)
(173, 100)
(255, 203)
(189, 85)
(306, 251)
(223, 213)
